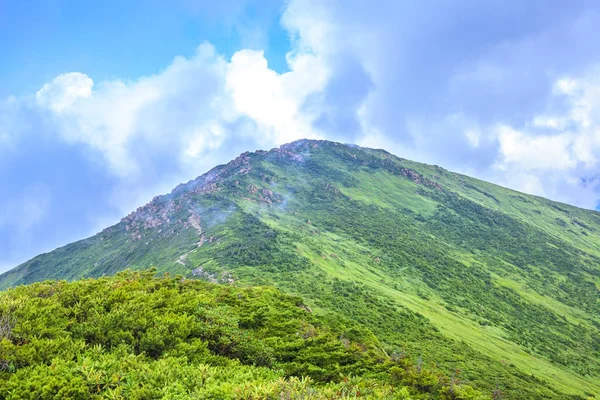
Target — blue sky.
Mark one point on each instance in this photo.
(105, 104)
(125, 39)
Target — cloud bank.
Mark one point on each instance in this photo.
(507, 92)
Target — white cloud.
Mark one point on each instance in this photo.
(546, 121)
(535, 152)
(525, 182)
(189, 106)
(209, 137)
(64, 90)
(116, 115)
(566, 86)
(561, 164)
(273, 101)
(473, 136)
(581, 117)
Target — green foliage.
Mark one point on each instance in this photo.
(134, 336)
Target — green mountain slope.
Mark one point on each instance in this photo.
(498, 286)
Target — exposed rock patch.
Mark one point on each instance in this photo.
(223, 277)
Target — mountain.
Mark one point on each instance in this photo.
(496, 287)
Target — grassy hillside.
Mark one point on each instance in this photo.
(497, 286)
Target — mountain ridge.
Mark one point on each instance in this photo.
(209, 177)
(500, 284)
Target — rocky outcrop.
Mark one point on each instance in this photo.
(394, 167)
(252, 189)
(283, 153)
(223, 277)
(420, 179)
(194, 221)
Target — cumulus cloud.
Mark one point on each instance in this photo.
(531, 153)
(273, 101)
(113, 118)
(64, 90)
(189, 108)
(558, 150)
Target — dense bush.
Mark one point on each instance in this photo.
(134, 336)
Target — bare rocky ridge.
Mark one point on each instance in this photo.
(160, 212)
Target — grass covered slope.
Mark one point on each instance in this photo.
(134, 336)
(497, 285)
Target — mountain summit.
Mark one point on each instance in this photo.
(496, 286)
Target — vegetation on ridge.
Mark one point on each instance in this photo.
(134, 336)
